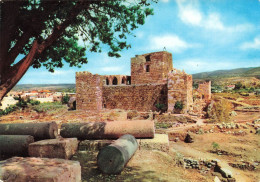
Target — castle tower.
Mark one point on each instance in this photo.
(89, 91)
(151, 68)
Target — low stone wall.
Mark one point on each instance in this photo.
(135, 97)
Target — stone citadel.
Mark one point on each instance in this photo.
(153, 81)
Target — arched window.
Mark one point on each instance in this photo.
(107, 81)
(147, 68)
(115, 81)
(148, 58)
(128, 81)
(123, 80)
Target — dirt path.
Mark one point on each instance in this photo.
(188, 151)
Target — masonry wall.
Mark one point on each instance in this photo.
(205, 90)
(135, 97)
(151, 68)
(179, 89)
(89, 91)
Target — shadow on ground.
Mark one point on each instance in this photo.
(90, 171)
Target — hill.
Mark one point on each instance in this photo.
(247, 76)
(239, 72)
(52, 87)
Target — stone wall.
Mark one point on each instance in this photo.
(205, 90)
(89, 91)
(135, 97)
(179, 89)
(116, 80)
(151, 68)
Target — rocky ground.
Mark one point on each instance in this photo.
(238, 149)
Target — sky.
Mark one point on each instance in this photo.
(202, 35)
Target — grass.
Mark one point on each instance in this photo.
(50, 107)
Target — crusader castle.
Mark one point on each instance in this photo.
(153, 80)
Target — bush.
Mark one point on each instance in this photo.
(160, 107)
(47, 106)
(238, 85)
(8, 110)
(65, 99)
(215, 146)
(219, 111)
(178, 105)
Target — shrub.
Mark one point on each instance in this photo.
(65, 99)
(178, 105)
(238, 85)
(48, 106)
(219, 111)
(8, 110)
(215, 146)
(163, 125)
(160, 107)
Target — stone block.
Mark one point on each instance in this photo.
(226, 173)
(19, 169)
(54, 148)
(94, 145)
(159, 142)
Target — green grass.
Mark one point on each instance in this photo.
(49, 107)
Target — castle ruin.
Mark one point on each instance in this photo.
(153, 80)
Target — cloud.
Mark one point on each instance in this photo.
(190, 14)
(251, 45)
(170, 42)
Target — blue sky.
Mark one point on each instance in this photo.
(202, 35)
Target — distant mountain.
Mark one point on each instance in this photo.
(52, 87)
(239, 72)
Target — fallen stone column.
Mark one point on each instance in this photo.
(113, 158)
(19, 169)
(108, 130)
(39, 131)
(11, 145)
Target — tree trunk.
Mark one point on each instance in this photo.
(39, 131)
(15, 145)
(113, 158)
(10, 75)
(108, 130)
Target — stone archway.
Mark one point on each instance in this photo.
(115, 81)
(123, 81)
(107, 81)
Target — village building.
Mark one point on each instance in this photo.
(153, 81)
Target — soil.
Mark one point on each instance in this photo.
(153, 165)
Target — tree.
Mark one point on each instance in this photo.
(47, 32)
(238, 86)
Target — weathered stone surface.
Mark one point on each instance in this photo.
(135, 97)
(54, 148)
(94, 144)
(179, 89)
(113, 158)
(40, 131)
(216, 179)
(226, 173)
(15, 145)
(18, 169)
(153, 80)
(108, 130)
(159, 142)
